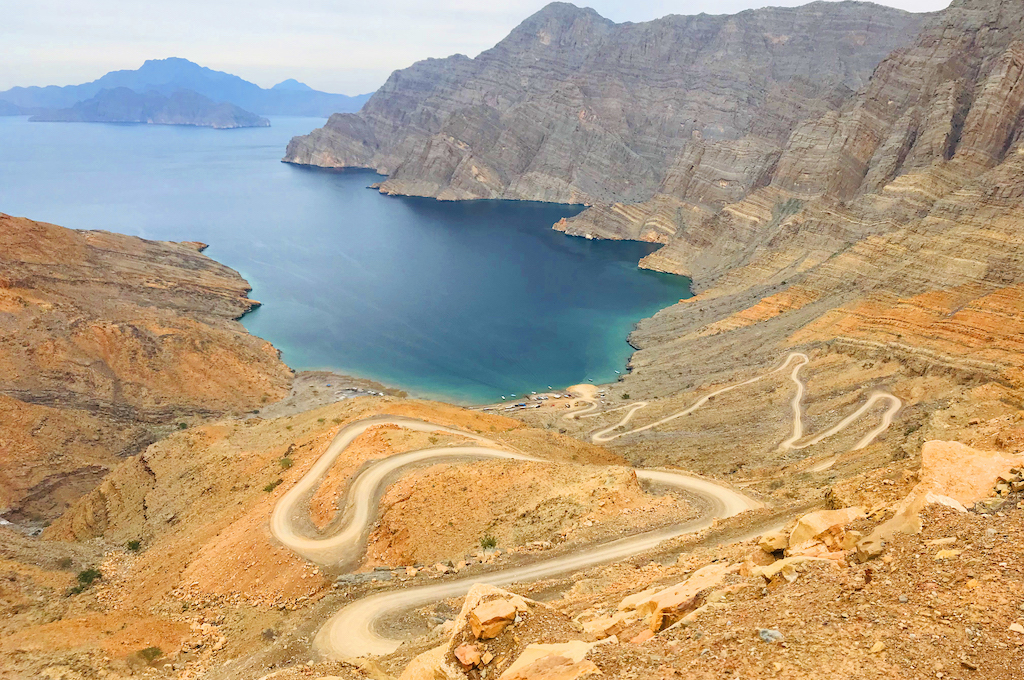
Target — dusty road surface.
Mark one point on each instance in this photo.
(341, 546)
(798, 360)
(352, 631)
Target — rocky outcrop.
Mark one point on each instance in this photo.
(573, 108)
(490, 618)
(495, 635)
(105, 342)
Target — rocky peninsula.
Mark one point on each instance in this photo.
(108, 342)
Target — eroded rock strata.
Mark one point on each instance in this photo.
(573, 108)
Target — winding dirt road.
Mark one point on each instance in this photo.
(798, 360)
(352, 632)
(358, 514)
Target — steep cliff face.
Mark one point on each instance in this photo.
(888, 245)
(571, 107)
(957, 92)
(943, 110)
(104, 340)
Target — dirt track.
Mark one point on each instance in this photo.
(606, 435)
(351, 632)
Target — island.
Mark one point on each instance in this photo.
(183, 107)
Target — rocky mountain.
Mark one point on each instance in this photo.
(167, 76)
(573, 108)
(945, 109)
(106, 343)
(852, 366)
(183, 107)
(292, 85)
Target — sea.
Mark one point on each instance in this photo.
(466, 302)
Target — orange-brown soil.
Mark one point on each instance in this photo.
(377, 442)
(105, 342)
(198, 504)
(443, 512)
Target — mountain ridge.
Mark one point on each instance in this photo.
(166, 76)
(571, 107)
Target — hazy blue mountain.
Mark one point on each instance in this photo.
(9, 109)
(167, 76)
(292, 85)
(184, 107)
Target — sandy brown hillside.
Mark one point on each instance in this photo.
(105, 342)
(198, 503)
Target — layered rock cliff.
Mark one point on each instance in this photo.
(106, 341)
(888, 243)
(947, 108)
(571, 107)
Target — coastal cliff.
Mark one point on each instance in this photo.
(890, 241)
(946, 109)
(573, 108)
(107, 341)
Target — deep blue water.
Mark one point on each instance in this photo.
(462, 301)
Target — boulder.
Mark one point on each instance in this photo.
(990, 505)
(468, 655)
(563, 661)
(818, 549)
(633, 601)
(607, 626)
(774, 541)
(789, 567)
(952, 474)
(490, 618)
(430, 665)
(642, 637)
(450, 660)
(826, 526)
(757, 558)
(667, 606)
(961, 472)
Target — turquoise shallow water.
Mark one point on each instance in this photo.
(461, 301)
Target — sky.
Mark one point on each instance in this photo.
(344, 46)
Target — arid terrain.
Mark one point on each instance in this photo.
(108, 342)
(813, 468)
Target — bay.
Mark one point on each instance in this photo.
(461, 301)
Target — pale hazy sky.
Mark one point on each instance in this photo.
(343, 46)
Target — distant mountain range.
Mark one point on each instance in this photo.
(169, 76)
(184, 107)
